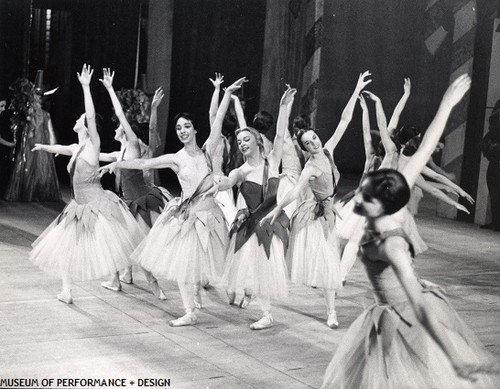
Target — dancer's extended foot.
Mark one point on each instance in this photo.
(65, 297)
(188, 319)
(205, 284)
(231, 297)
(245, 301)
(332, 321)
(112, 285)
(197, 301)
(265, 322)
(157, 291)
(127, 278)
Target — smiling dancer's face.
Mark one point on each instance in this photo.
(311, 142)
(185, 130)
(247, 143)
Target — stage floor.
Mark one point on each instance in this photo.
(125, 335)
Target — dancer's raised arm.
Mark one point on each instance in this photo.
(367, 136)
(282, 124)
(393, 123)
(214, 102)
(347, 113)
(216, 128)
(452, 96)
(84, 77)
(154, 136)
(240, 114)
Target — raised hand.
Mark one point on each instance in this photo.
(407, 86)
(236, 85)
(465, 195)
(363, 81)
(86, 75)
(457, 90)
(37, 147)
(157, 98)
(219, 79)
(288, 95)
(460, 207)
(110, 168)
(107, 78)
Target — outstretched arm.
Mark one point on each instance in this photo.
(225, 183)
(435, 192)
(52, 135)
(84, 77)
(385, 138)
(367, 136)
(347, 113)
(214, 102)
(282, 124)
(240, 115)
(216, 129)
(154, 136)
(6, 142)
(399, 107)
(452, 96)
(109, 157)
(56, 149)
(162, 162)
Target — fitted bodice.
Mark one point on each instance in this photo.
(86, 181)
(133, 184)
(191, 175)
(387, 288)
(253, 193)
(323, 186)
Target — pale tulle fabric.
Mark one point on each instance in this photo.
(225, 201)
(250, 268)
(187, 250)
(387, 348)
(67, 247)
(315, 259)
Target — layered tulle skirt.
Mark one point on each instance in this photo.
(187, 243)
(387, 348)
(250, 268)
(313, 249)
(88, 241)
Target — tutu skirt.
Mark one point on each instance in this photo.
(88, 241)
(250, 268)
(187, 246)
(387, 348)
(314, 252)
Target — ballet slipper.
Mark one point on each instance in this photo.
(111, 286)
(156, 290)
(231, 296)
(265, 322)
(332, 321)
(245, 301)
(65, 297)
(205, 284)
(188, 319)
(127, 278)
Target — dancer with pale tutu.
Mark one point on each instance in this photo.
(188, 242)
(313, 249)
(144, 200)
(411, 337)
(95, 234)
(255, 258)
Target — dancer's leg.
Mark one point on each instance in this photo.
(126, 276)
(153, 285)
(113, 283)
(267, 319)
(197, 296)
(187, 295)
(330, 308)
(246, 298)
(65, 295)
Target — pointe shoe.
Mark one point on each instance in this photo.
(110, 286)
(245, 301)
(127, 278)
(231, 296)
(156, 290)
(197, 301)
(332, 321)
(188, 319)
(265, 322)
(65, 297)
(205, 284)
